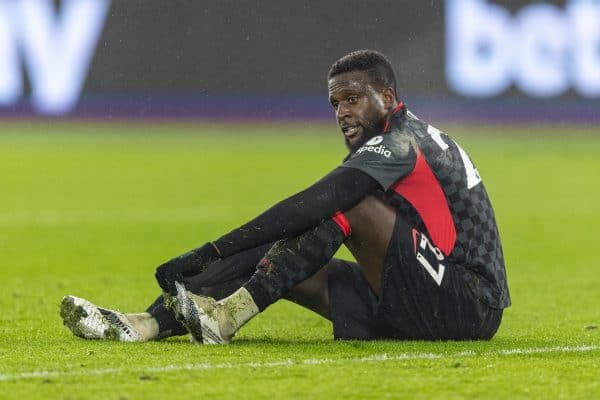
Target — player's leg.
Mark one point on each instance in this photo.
(219, 280)
(340, 293)
(288, 263)
(313, 293)
(285, 265)
(352, 290)
(297, 278)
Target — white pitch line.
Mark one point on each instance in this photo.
(558, 349)
(375, 358)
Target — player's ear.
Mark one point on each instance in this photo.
(389, 97)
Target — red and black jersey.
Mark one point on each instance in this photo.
(435, 187)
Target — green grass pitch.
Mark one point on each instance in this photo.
(91, 209)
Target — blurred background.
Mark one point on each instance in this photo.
(457, 60)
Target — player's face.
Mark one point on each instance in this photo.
(361, 110)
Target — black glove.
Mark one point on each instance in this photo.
(185, 265)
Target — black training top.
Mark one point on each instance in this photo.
(425, 175)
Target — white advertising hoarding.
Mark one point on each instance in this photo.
(54, 47)
(543, 50)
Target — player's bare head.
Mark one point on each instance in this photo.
(361, 90)
(376, 66)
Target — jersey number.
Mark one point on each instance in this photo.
(427, 254)
(473, 178)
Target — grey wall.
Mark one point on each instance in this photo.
(261, 47)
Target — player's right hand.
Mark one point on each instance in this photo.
(184, 266)
(167, 274)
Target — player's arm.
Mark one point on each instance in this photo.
(340, 190)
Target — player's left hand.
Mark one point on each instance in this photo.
(184, 266)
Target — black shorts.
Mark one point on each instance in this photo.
(421, 300)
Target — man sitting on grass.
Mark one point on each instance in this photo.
(408, 203)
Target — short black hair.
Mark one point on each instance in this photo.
(377, 66)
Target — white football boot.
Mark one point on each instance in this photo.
(89, 321)
(200, 315)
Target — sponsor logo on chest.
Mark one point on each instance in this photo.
(374, 146)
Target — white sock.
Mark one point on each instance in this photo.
(234, 311)
(144, 324)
